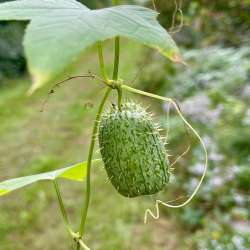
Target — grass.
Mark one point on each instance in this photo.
(33, 142)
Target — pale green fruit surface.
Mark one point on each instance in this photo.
(133, 151)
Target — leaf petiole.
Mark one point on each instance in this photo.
(101, 62)
(61, 204)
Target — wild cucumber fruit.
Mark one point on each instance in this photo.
(133, 151)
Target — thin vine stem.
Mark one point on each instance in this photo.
(90, 156)
(63, 210)
(116, 58)
(119, 90)
(116, 70)
(101, 61)
(92, 145)
(61, 204)
(96, 127)
(81, 243)
(117, 62)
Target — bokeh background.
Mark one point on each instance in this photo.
(213, 92)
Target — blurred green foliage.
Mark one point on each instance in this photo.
(92, 4)
(12, 61)
(214, 94)
(208, 22)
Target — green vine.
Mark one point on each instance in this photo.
(61, 205)
(116, 59)
(96, 126)
(90, 156)
(101, 61)
(116, 69)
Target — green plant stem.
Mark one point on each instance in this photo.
(116, 62)
(81, 243)
(62, 209)
(90, 155)
(96, 126)
(92, 145)
(65, 216)
(101, 61)
(61, 204)
(116, 69)
(117, 51)
(116, 58)
(119, 90)
(91, 149)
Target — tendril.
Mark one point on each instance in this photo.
(187, 133)
(169, 100)
(57, 85)
(177, 10)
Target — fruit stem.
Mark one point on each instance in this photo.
(119, 90)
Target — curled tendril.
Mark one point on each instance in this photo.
(178, 6)
(167, 135)
(175, 105)
(177, 10)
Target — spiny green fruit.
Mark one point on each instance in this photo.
(133, 151)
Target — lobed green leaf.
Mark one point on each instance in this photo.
(61, 30)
